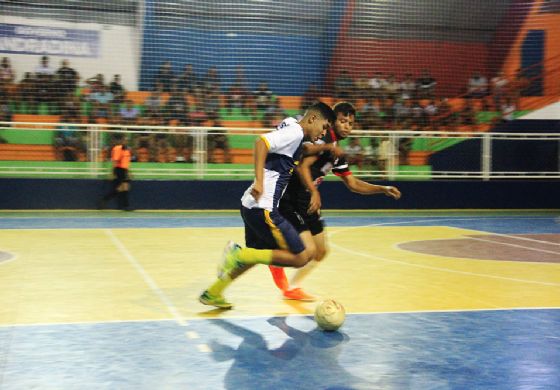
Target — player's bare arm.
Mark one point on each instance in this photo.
(261, 151)
(304, 173)
(363, 187)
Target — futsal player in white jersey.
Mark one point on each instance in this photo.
(270, 239)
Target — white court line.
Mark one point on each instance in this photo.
(510, 244)
(259, 316)
(441, 269)
(517, 237)
(147, 278)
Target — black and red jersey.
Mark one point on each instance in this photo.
(325, 163)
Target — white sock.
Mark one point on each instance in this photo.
(302, 272)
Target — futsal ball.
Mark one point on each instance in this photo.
(329, 315)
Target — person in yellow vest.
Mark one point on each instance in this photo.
(120, 157)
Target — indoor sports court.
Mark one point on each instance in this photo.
(132, 132)
(434, 300)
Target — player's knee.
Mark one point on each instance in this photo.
(302, 258)
(320, 254)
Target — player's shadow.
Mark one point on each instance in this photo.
(305, 360)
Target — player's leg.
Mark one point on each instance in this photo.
(303, 272)
(292, 210)
(287, 248)
(316, 226)
(213, 295)
(262, 230)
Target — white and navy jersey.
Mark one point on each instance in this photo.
(325, 163)
(284, 151)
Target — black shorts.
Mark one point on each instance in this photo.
(269, 230)
(295, 211)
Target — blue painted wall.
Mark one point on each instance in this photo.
(289, 63)
(220, 195)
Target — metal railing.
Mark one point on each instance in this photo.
(393, 168)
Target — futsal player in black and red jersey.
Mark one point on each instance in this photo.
(301, 202)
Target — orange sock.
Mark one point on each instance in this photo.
(279, 277)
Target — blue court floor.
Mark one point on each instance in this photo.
(103, 300)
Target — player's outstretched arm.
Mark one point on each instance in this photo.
(363, 187)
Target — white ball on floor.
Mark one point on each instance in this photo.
(329, 315)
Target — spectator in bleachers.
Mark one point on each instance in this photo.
(187, 82)
(154, 105)
(377, 85)
(44, 83)
(385, 153)
(274, 114)
(218, 140)
(362, 87)
(408, 87)
(262, 96)
(238, 92)
(403, 111)
(69, 144)
(129, 114)
(431, 111)
(391, 87)
(405, 146)
(118, 91)
(27, 91)
(7, 77)
(164, 77)
(507, 110)
(212, 104)
(66, 78)
(418, 115)
(71, 107)
(477, 87)
(371, 151)
(445, 117)
(311, 95)
(211, 80)
(344, 86)
(5, 110)
(95, 84)
(101, 104)
(354, 152)
(467, 115)
(500, 86)
(425, 85)
(177, 108)
(236, 97)
(150, 146)
(66, 82)
(370, 115)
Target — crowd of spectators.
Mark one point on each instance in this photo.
(384, 101)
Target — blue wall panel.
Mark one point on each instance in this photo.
(287, 63)
(83, 194)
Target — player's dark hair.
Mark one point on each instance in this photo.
(324, 110)
(345, 108)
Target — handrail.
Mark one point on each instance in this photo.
(95, 168)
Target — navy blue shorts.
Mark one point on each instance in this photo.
(269, 230)
(295, 211)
